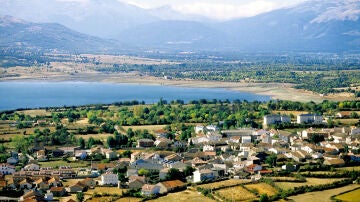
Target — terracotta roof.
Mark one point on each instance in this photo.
(57, 189)
(172, 184)
(147, 187)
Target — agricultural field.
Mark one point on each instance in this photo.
(262, 188)
(349, 196)
(69, 182)
(356, 168)
(349, 122)
(323, 196)
(225, 183)
(188, 195)
(36, 112)
(309, 182)
(128, 199)
(107, 190)
(56, 164)
(237, 193)
(102, 136)
(150, 128)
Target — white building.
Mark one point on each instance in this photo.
(208, 148)
(201, 175)
(109, 179)
(6, 169)
(32, 167)
(274, 119)
(246, 139)
(309, 118)
(199, 129)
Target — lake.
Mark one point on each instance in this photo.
(34, 94)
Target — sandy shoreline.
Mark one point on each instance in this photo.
(274, 90)
(81, 72)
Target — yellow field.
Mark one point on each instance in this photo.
(349, 196)
(309, 181)
(108, 190)
(70, 182)
(102, 136)
(324, 195)
(128, 199)
(262, 188)
(101, 199)
(224, 183)
(150, 128)
(35, 112)
(237, 193)
(356, 168)
(188, 195)
(348, 121)
(54, 164)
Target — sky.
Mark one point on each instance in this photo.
(214, 9)
(218, 9)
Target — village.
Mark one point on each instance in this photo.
(154, 168)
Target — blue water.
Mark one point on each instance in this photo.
(14, 95)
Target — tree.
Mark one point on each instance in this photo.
(264, 198)
(81, 143)
(188, 171)
(80, 196)
(143, 171)
(271, 160)
(174, 174)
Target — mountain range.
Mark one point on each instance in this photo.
(107, 25)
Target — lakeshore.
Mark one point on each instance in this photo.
(282, 91)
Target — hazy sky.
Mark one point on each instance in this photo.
(218, 9)
(215, 9)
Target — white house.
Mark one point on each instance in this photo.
(109, 179)
(208, 148)
(309, 118)
(199, 129)
(148, 190)
(6, 169)
(32, 167)
(246, 139)
(212, 128)
(201, 175)
(274, 119)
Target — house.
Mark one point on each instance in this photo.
(285, 136)
(343, 114)
(32, 167)
(246, 139)
(58, 191)
(309, 119)
(6, 169)
(41, 184)
(148, 190)
(163, 173)
(136, 183)
(78, 187)
(80, 154)
(334, 162)
(208, 148)
(202, 175)
(32, 195)
(169, 186)
(49, 196)
(275, 119)
(161, 133)
(25, 184)
(162, 143)
(109, 154)
(109, 179)
(89, 182)
(12, 160)
(253, 168)
(54, 182)
(145, 143)
(199, 129)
